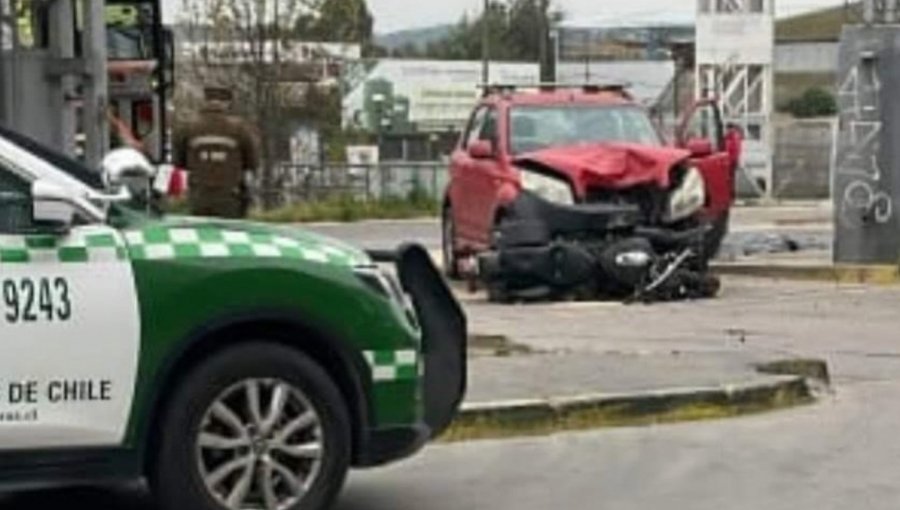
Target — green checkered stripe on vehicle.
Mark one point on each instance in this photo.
(79, 246)
(388, 366)
(188, 242)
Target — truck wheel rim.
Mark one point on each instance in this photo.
(260, 446)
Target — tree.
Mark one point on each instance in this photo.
(408, 50)
(347, 21)
(519, 30)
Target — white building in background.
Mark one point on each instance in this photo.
(734, 57)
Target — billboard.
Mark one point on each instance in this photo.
(408, 96)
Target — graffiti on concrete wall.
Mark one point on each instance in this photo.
(863, 197)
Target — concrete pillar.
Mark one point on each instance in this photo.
(8, 63)
(5, 45)
(61, 48)
(38, 85)
(96, 102)
(867, 174)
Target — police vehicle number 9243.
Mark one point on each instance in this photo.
(232, 365)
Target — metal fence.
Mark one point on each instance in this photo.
(803, 163)
(298, 183)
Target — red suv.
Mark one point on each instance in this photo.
(574, 190)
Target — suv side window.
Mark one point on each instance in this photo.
(476, 125)
(705, 123)
(15, 203)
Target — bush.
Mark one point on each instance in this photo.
(346, 208)
(815, 102)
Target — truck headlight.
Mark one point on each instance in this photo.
(549, 188)
(688, 198)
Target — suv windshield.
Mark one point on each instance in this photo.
(539, 127)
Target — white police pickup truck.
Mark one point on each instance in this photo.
(233, 365)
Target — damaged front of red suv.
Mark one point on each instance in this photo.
(560, 191)
(617, 219)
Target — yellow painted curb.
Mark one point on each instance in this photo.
(798, 382)
(840, 273)
(498, 420)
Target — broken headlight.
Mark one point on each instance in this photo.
(688, 198)
(551, 189)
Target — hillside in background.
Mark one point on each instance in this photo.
(418, 37)
(819, 25)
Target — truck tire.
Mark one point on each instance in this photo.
(258, 425)
(498, 290)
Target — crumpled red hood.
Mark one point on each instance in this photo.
(610, 165)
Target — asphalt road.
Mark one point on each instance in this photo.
(837, 455)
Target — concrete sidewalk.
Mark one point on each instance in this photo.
(787, 228)
(784, 215)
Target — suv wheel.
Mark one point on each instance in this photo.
(256, 426)
(448, 244)
(498, 291)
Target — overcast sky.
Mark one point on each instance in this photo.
(391, 15)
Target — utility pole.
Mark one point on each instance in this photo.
(555, 35)
(9, 63)
(96, 128)
(544, 35)
(5, 46)
(62, 34)
(588, 53)
(486, 44)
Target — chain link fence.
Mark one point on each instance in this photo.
(803, 166)
(308, 183)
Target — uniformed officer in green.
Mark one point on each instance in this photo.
(219, 151)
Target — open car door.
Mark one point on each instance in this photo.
(702, 133)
